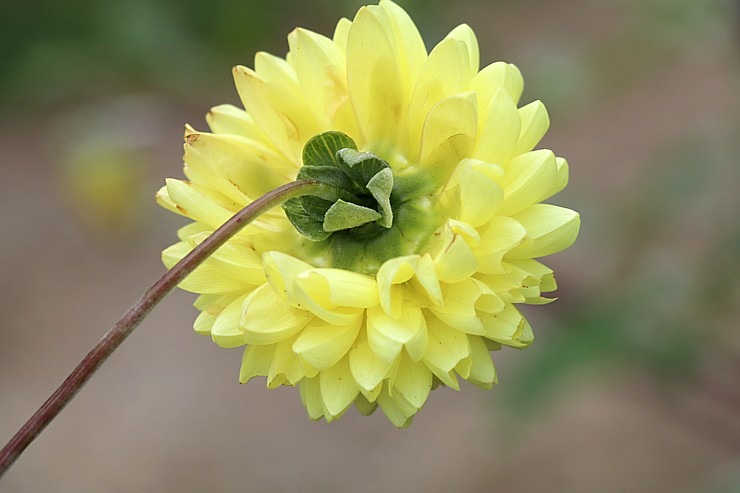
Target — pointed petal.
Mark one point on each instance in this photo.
(464, 33)
(535, 122)
(530, 178)
(323, 345)
(448, 135)
(550, 229)
(502, 235)
(413, 380)
(256, 362)
(285, 368)
(482, 372)
(269, 319)
(374, 80)
(368, 369)
(387, 335)
(226, 331)
(338, 388)
(494, 76)
(311, 396)
(499, 131)
(456, 261)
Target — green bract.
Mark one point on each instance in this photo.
(366, 216)
(362, 181)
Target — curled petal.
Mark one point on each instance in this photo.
(226, 331)
(499, 131)
(368, 369)
(388, 335)
(535, 122)
(419, 270)
(502, 235)
(494, 76)
(268, 318)
(550, 229)
(338, 388)
(374, 79)
(322, 345)
(529, 178)
(413, 380)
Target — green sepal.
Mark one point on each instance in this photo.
(321, 150)
(360, 167)
(303, 222)
(381, 186)
(315, 207)
(346, 215)
(327, 174)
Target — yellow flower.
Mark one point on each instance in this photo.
(413, 274)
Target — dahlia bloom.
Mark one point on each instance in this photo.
(413, 275)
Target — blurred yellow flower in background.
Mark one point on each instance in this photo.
(410, 278)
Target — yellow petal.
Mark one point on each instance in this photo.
(206, 278)
(387, 335)
(281, 271)
(313, 292)
(203, 323)
(322, 345)
(256, 362)
(397, 271)
(448, 135)
(562, 176)
(341, 33)
(319, 66)
(413, 380)
(446, 348)
(345, 288)
(365, 406)
(311, 396)
(503, 326)
(374, 81)
(338, 388)
(501, 236)
(499, 130)
(480, 195)
(228, 119)
(368, 369)
(226, 331)
(461, 302)
(278, 108)
(195, 202)
(285, 368)
(456, 261)
(410, 50)
(464, 33)
(445, 73)
(530, 178)
(235, 258)
(550, 229)
(232, 164)
(396, 408)
(494, 76)
(535, 122)
(481, 372)
(269, 318)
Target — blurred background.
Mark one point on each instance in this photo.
(633, 383)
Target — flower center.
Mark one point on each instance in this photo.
(367, 216)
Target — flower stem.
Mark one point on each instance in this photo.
(133, 317)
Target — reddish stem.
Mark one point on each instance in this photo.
(133, 317)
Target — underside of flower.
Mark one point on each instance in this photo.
(406, 271)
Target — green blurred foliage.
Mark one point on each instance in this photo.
(81, 48)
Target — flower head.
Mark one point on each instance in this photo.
(410, 275)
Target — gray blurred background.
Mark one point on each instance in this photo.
(633, 383)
